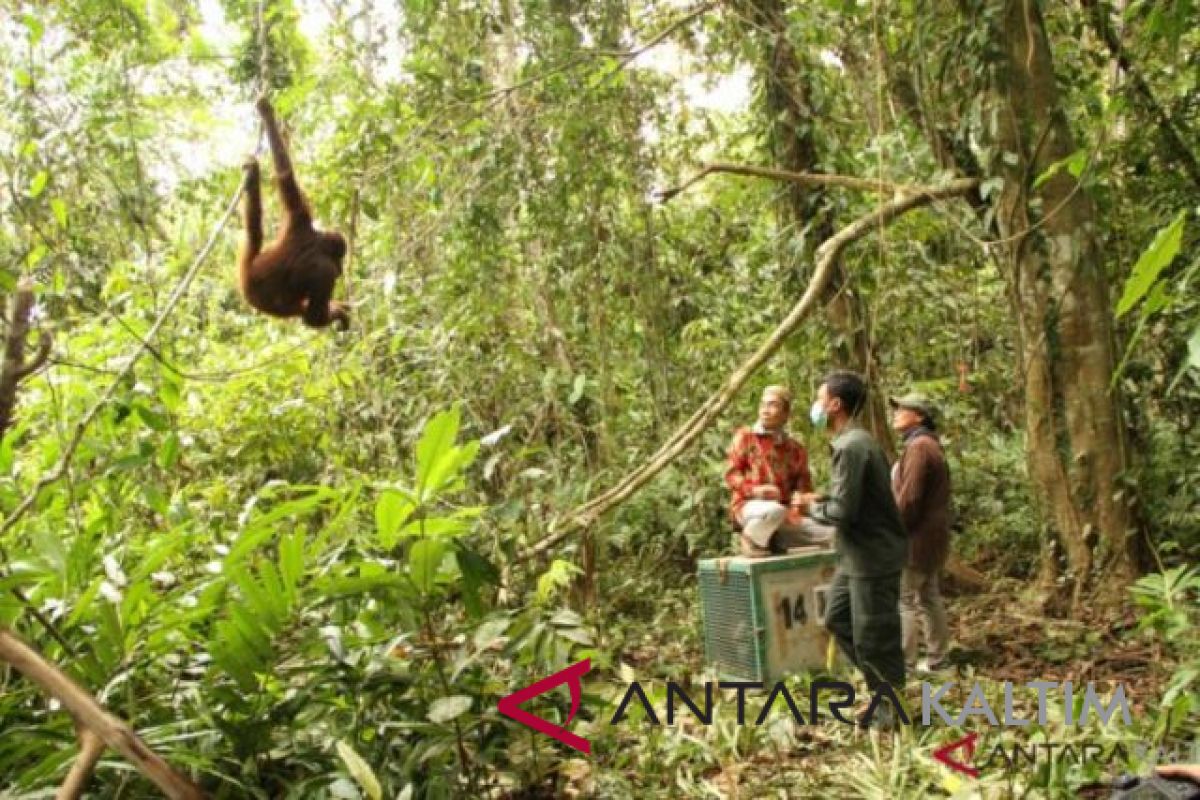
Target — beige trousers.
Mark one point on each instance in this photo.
(922, 610)
(766, 530)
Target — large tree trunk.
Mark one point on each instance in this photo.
(792, 121)
(1076, 449)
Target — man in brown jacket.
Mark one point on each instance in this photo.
(921, 483)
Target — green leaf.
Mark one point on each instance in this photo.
(490, 632)
(391, 511)
(476, 571)
(1073, 163)
(424, 559)
(556, 577)
(576, 635)
(151, 419)
(341, 586)
(1076, 163)
(360, 771)
(449, 468)
(434, 526)
(1158, 299)
(168, 452)
(36, 255)
(445, 709)
(1179, 683)
(291, 563)
(35, 27)
(311, 497)
(60, 211)
(1152, 262)
(577, 390)
(155, 498)
(38, 184)
(437, 440)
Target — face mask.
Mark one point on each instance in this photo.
(818, 416)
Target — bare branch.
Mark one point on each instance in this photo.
(827, 254)
(811, 179)
(90, 749)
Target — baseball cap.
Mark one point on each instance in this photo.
(917, 401)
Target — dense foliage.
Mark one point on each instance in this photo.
(291, 559)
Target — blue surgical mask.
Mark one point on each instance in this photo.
(818, 415)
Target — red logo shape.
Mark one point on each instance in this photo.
(967, 743)
(510, 706)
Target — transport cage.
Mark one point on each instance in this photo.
(763, 617)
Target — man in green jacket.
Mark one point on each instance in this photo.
(863, 608)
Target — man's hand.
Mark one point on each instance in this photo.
(767, 491)
(805, 499)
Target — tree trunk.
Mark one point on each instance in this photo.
(1076, 449)
(792, 123)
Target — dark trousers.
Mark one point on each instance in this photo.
(864, 617)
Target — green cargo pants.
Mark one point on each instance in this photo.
(864, 617)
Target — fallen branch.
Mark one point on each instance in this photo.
(90, 750)
(91, 716)
(826, 256)
(810, 179)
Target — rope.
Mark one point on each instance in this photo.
(264, 61)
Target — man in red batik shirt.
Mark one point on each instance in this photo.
(766, 469)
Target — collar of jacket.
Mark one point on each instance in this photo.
(918, 430)
(851, 425)
(760, 430)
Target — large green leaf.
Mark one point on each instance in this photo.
(391, 511)
(557, 576)
(1152, 262)
(360, 771)
(448, 468)
(38, 184)
(476, 572)
(445, 527)
(1074, 164)
(445, 709)
(437, 440)
(424, 559)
